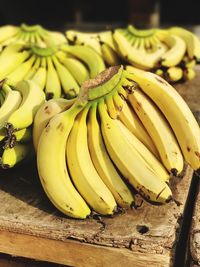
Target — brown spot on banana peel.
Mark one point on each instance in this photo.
(122, 96)
(47, 111)
(160, 80)
(197, 154)
(188, 149)
(60, 127)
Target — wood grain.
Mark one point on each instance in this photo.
(195, 231)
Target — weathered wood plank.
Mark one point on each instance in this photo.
(27, 213)
(75, 254)
(195, 231)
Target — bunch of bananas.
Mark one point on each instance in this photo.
(126, 129)
(18, 106)
(34, 34)
(171, 53)
(58, 70)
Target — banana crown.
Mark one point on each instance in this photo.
(31, 34)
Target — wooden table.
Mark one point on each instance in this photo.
(194, 247)
(31, 227)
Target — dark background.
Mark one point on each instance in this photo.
(59, 14)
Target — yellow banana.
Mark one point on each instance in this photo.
(7, 32)
(176, 112)
(191, 40)
(33, 69)
(138, 57)
(32, 98)
(40, 75)
(189, 74)
(76, 68)
(129, 162)
(132, 122)
(11, 103)
(83, 173)
(47, 111)
(174, 74)
(103, 164)
(159, 130)
(86, 54)
(69, 84)
(146, 154)
(53, 86)
(20, 72)
(15, 155)
(9, 64)
(176, 52)
(55, 178)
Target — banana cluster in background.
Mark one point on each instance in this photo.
(171, 53)
(18, 106)
(116, 136)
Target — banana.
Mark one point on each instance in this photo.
(23, 136)
(76, 68)
(11, 49)
(191, 40)
(129, 162)
(33, 69)
(189, 74)
(9, 64)
(174, 74)
(109, 55)
(188, 63)
(86, 54)
(53, 86)
(176, 52)
(54, 39)
(132, 122)
(83, 173)
(176, 112)
(20, 72)
(138, 57)
(87, 39)
(149, 158)
(15, 155)
(40, 75)
(7, 31)
(111, 106)
(11, 103)
(160, 72)
(103, 164)
(47, 111)
(32, 98)
(69, 84)
(55, 178)
(159, 130)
